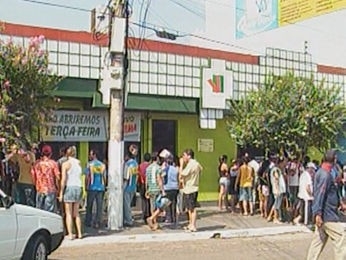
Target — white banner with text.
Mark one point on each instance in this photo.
(87, 126)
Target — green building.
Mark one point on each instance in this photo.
(176, 95)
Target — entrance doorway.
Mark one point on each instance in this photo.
(164, 135)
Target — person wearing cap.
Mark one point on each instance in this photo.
(305, 192)
(155, 187)
(130, 183)
(325, 211)
(46, 177)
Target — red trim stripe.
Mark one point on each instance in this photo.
(147, 45)
(331, 70)
(180, 49)
(51, 34)
(134, 43)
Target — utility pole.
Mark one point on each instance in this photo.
(112, 88)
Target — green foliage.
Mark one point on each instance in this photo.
(26, 87)
(288, 112)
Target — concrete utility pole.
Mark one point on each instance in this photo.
(112, 88)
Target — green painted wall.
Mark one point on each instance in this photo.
(188, 132)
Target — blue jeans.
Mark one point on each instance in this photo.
(128, 197)
(46, 202)
(92, 196)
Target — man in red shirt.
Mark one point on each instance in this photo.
(142, 187)
(46, 177)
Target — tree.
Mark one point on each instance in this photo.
(26, 90)
(288, 112)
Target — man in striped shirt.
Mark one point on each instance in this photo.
(154, 185)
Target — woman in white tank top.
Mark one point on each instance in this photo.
(71, 191)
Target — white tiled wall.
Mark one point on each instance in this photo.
(176, 75)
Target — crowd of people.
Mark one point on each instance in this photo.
(279, 188)
(290, 190)
(33, 178)
(164, 183)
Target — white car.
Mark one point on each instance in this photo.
(26, 232)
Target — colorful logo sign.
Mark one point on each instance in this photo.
(216, 85)
(256, 16)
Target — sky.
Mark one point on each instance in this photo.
(213, 20)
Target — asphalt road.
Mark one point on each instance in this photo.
(290, 247)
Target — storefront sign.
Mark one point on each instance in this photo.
(216, 85)
(132, 127)
(88, 126)
(77, 126)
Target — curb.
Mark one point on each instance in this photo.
(182, 236)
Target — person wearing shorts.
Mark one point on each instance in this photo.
(190, 201)
(223, 182)
(279, 189)
(154, 187)
(71, 191)
(245, 179)
(231, 189)
(190, 176)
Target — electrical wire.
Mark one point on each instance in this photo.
(200, 15)
(244, 10)
(143, 15)
(98, 34)
(186, 34)
(57, 5)
(192, 11)
(142, 33)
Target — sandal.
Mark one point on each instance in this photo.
(186, 227)
(193, 230)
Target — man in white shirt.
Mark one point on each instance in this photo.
(305, 192)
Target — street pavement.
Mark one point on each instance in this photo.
(211, 222)
(283, 247)
(220, 235)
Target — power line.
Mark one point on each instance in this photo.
(143, 13)
(159, 17)
(58, 5)
(185, 34)
(188, 9)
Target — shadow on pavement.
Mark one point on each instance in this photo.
(211, 228)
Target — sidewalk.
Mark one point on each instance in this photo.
(211, 222)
